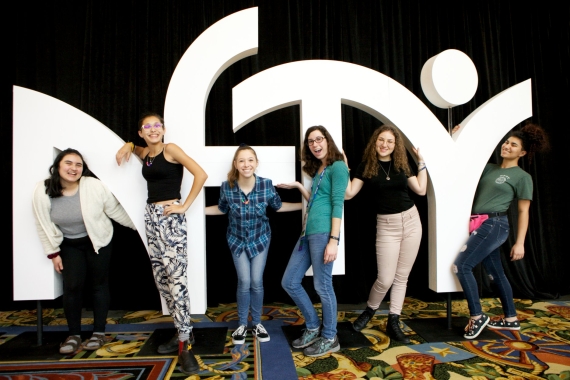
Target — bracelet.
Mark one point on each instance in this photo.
(423, 167)
(53, 255)
(337, 238)
(132, 146)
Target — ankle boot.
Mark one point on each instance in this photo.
(188, 363)
(363, 319)
(393, 329)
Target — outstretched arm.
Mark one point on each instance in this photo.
(517, 252)
(213, 210)
(177, 155)
(287, 206)
(295, 185)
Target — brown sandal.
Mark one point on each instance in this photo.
(70, 345)
(96, 341)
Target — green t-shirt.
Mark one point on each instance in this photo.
(329, 200)
(498, 187)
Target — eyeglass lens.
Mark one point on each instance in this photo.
(148, 125)
(317, 139)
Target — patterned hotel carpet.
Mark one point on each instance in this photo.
(540, 350)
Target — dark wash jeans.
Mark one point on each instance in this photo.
(484, 245)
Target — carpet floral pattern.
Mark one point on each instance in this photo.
(540, 350)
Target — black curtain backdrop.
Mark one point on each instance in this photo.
(114, 59)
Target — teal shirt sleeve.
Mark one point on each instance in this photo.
(339, 180)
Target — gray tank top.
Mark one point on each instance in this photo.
(66, 214)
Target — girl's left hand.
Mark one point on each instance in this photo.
(331, 251)
(517, 252)
(418, 155)
(174, 209)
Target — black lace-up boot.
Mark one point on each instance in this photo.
(363, 319)
(393, 329)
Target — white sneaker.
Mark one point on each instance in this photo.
(260, 333)
(238, 337)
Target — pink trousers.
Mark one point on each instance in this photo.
(398, 239)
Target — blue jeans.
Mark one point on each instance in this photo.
(250, 285)
(312, 253)
(484, 245)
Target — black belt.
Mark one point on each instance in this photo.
(493, 214)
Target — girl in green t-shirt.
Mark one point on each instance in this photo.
(497, 187)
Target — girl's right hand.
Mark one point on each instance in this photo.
(455, 129)
(57, 264)
(124, 152)
(290, 185)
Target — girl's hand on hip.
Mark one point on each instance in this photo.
(331, 252)
(174, 209)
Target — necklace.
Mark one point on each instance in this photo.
(150, 160)
(389, 167)
(244, 201)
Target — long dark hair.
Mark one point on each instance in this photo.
(233, 174)
(53, 183)
(311, 163)
(534, 140)
(399, 157)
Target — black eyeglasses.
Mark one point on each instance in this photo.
(317, 139)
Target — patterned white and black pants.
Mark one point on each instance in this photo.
(166, 236)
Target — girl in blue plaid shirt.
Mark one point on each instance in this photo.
(245, 197)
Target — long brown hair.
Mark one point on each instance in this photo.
(311, 164)
(399, 157)
(233, 174)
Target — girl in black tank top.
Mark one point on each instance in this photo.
(163, 166)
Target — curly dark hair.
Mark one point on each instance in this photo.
(53, 183)
(233, 174)
(370, 156)
(311, 164)
(534, 139)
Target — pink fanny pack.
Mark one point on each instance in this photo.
(476, 220)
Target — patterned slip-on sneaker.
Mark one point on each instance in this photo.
(475, 326)
(503, 324)
(322, 347)
(260, 333)
(308, 338)
(238, 337)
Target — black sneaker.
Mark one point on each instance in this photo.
(502, 324)
(475, 326)
(238, 337)
(260, 333)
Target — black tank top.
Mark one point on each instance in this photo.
(163, 178)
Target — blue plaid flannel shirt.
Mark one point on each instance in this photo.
(248, 230)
